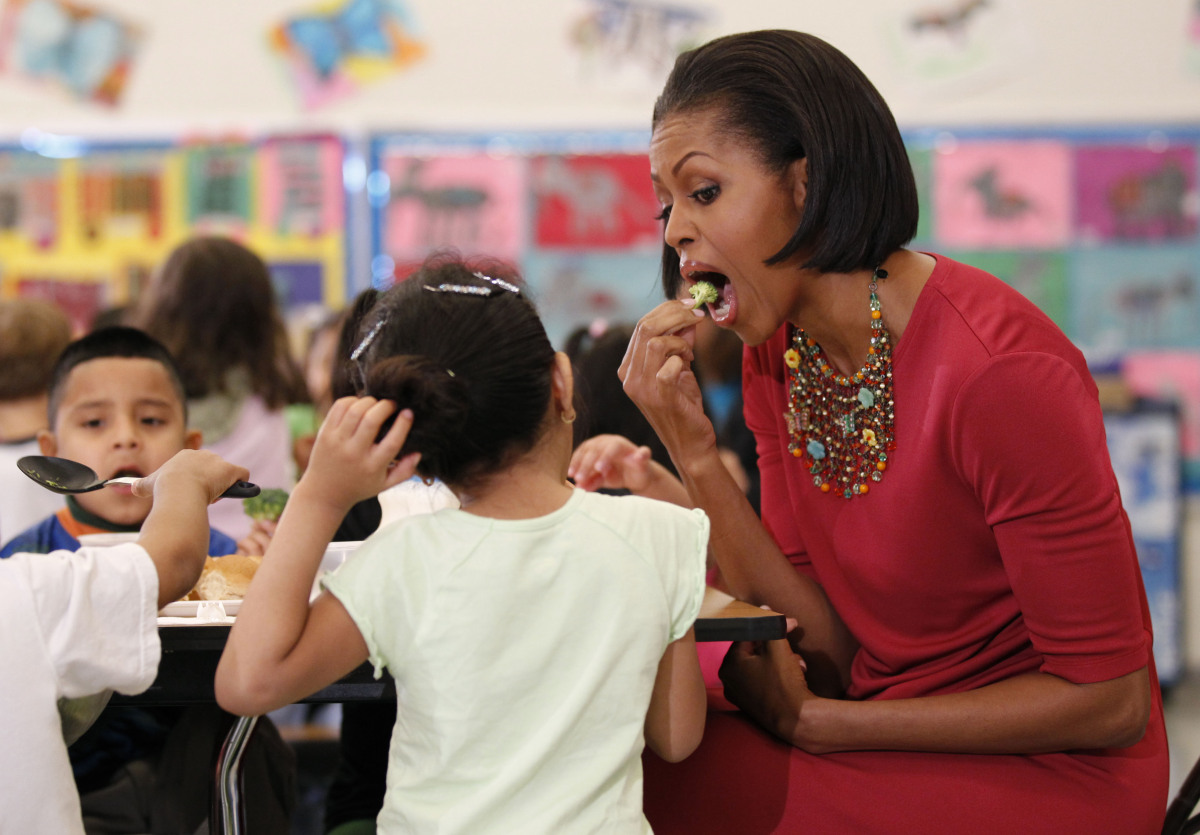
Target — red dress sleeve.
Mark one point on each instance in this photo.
(1037, 457)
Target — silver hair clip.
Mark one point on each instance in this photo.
(367, 340)
(465, 289)
(499, 282)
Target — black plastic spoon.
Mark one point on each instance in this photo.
(65, 476)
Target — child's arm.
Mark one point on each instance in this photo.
(280, 649)
(615, 462)
(678, 705)
(175, 534)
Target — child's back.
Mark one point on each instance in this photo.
(524, 651)
(538, 635)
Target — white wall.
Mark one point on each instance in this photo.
(205, 67)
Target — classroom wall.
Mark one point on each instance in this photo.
(206, 66)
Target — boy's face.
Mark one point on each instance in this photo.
(120, 416)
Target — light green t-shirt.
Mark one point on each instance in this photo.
(524, 653)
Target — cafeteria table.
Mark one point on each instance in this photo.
(189, 664)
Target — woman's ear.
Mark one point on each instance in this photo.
(562, 384)
(798, 171)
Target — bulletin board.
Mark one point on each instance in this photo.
(85, 225)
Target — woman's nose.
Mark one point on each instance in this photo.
(678, 230)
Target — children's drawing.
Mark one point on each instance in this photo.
(121, 195)
(338, 47)
(937, 43)
(595, 201)
(218, 188)
(84, 50)
(1174, 377)
(473, 203)
(29, 198)
(1136, 298)
(1128, 193)
(1011, 195)
(1192, 38)
(631, 43)
(301, 186)
(81, 298)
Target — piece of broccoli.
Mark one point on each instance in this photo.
(704, 293)
(267, 505)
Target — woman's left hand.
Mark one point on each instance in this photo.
(766, 680)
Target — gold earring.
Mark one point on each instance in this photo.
(565, 418)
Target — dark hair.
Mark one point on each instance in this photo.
(474, 365)
(33, 332)
(212, 304)
(116, 341)
(342, 382)
(792, 96)
(602, 405)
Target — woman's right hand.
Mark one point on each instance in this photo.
(657, 376)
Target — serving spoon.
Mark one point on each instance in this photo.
(65, 476)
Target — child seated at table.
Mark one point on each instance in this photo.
(79, 623)
(116, 404)
(539, 635)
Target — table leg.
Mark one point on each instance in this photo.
(229, 815)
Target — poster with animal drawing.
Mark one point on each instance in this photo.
(121, 195)
(632, 44)
(1039, 275)
(935, 44)
(595, 201)
(474, 203)
(80, 296)
(87, 52)
(1129, 193)
(573, 289)
(218, 187)
(301, 186)
(1004, 195)
(1141, 297)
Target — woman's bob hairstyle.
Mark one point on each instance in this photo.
(793, 96)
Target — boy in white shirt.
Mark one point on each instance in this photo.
(76, 623)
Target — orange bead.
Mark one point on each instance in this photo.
(796, 453)
(881, 465)
(862, 488)
(825, 487)
(876, 314)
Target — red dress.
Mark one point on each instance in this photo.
(995, 545)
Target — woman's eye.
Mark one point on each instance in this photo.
(664, 215)
(706, 195)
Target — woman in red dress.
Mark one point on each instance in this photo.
(939, 513)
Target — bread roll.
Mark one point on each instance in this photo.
(225, 578)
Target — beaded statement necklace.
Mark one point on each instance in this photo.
(842, 426)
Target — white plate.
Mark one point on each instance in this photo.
(190, 608)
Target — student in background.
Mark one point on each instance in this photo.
(32, 335)
(77, 623)
(212, 304)
(530, 716)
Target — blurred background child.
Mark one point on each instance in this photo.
(213, 305)
(32, 335)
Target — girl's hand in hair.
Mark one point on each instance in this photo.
(347, 463)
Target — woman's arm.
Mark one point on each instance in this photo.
(679, 702)
(279, 648)
(1027, 714)
(657, 376)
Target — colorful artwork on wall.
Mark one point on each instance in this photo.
(602, 201)
(1003, 194)
(1136, 193)
(337, 47)
(86, 51)
(632, 44)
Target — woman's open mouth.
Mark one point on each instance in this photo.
(723, 306)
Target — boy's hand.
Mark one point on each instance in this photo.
(206, 471)
(347, 465)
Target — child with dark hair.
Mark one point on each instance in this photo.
(213, 306)
(531, 715)
(32, 335)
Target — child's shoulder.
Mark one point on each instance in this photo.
(638, 510)
(46, 536)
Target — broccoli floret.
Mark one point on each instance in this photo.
(704, 293)
(267, 505)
